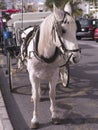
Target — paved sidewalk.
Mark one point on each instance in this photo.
(5, 123)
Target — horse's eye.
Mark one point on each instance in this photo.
(63, 30)
(67, 22)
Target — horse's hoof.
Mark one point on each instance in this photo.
(56, 121)
(34, 125)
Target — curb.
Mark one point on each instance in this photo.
(5, 123)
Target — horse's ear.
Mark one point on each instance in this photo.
(57, 13)
(55, 9)
(68, 8)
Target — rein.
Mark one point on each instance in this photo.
(67, 62)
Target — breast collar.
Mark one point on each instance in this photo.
(42, 58)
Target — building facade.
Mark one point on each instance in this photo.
(26, 5)
(90, 8)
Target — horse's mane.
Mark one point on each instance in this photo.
(45, 32)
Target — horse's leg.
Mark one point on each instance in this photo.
(52, 94)
(39, 92)
(35, 95)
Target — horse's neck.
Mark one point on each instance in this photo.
(45, 46)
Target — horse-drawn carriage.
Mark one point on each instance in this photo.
(18, 28)
(50, 43)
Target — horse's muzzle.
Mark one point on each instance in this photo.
(76, 57)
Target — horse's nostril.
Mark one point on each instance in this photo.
(80, 50)
(75, 60)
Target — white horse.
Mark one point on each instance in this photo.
(64, 70)
(57, 37)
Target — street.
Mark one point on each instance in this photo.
(77, 105)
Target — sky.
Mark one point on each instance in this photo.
(8, 1)
(30, 0)
(40, 0)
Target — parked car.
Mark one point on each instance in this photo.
(96, 35)
(96, 32)
(87, 28)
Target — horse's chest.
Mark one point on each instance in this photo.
(43, 70)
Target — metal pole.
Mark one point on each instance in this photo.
(22, 16)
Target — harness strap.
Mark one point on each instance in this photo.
(27, 40)
(67, 62)
(42, 58)
(52, 58)
(35, 44)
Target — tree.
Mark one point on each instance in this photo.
(75, 8)
(2, 5)
(95, 5)
(93, 1)
(60, 3)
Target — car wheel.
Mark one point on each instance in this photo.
(78, 38)
(96, 40)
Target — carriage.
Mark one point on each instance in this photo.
(17, 25)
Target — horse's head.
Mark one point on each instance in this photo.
(65, 28)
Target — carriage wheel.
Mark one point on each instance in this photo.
(10, 77)
(64, 75)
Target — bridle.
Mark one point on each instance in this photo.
(56, 30)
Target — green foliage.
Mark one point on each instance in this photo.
(93, 1)
(75, 8)
(60, 3)
(2, 5)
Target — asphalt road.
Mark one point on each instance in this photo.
(76, 105)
